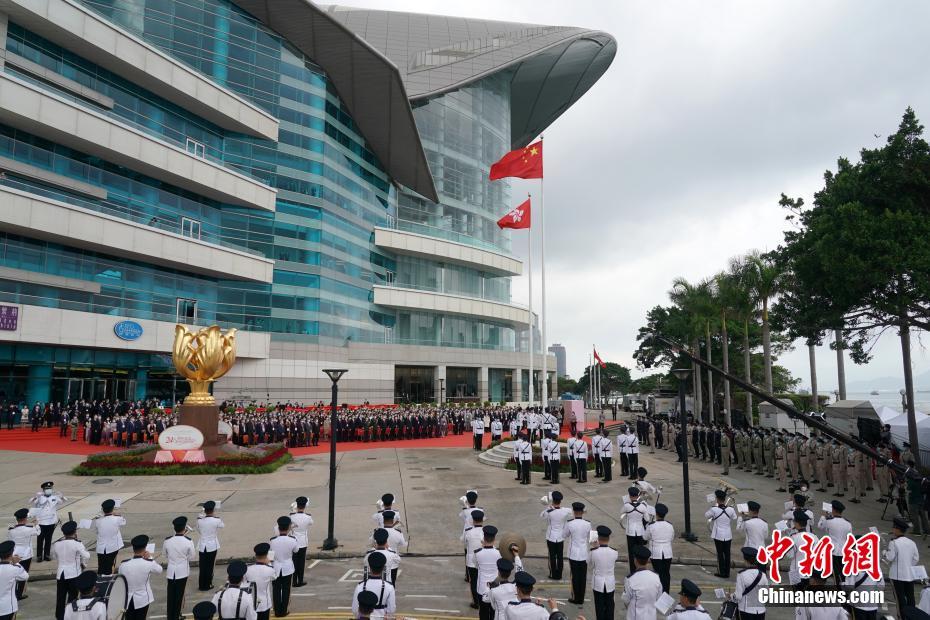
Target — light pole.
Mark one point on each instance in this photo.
(442, 386)
(683, 374)
(334, 375)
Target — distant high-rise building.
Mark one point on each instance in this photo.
(560, 366)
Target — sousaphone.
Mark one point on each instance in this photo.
(508, 540)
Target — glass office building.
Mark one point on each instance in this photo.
(220, 162)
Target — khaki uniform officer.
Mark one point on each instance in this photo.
(852, 475)
(781, 466)
(725, 451)
(838, 454)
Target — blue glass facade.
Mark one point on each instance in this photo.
(332, 191)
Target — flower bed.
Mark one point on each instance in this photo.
(138, 461)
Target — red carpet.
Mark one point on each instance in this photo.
(47, 441)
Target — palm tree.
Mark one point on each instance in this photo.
(694, 300)
(767, 284)
(744, 309)
(729, 298)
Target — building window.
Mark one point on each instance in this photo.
(187, 311)
(190, 228)
(198, 149)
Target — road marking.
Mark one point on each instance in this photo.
(338, 608)
(313, 563)
(425, 596)
(293, 594)
(438, 611)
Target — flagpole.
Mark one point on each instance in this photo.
(544, 395)
(529, 265)
(590, 383)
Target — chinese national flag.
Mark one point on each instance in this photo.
(525, 163)
(599, 360)
(518, 217)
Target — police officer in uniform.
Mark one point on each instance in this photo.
(637, 514)
(725, 451)
(284, 546)
(903, 556)
(660, 535)
(234, 600)
(46, 503)
(641, 589)
(21, 534)
(596, 453)
(11, 575)
(87, 606)
(208, 543)
(555, 459)
(109, 537)
(70, 554)
(837, 528)
(486, 558)
(603, 583)
(526, 459)
(748, 582)
(720, 517)
(581, 457)
(179, 550)
(261, 575)
(383, 599)
(688, 607)
(607, 456)
(570, 446)
(578, 534)
(753, 526)
(138, 571)
(301, 522)
(556, 516)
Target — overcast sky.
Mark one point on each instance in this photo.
(674, 161)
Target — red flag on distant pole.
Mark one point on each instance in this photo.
(525, 163)
(599, 360)
(518, 217)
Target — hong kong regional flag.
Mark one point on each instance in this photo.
(525, 163)
(519, 217)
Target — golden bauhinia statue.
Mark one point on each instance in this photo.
(202, 357)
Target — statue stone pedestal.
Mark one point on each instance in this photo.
(204, 418)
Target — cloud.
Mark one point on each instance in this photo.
(675, 159)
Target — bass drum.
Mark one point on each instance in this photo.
(111, 589)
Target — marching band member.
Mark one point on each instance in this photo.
(636, 513)
(603, 583)
(800, 523)
(109, 537)
(660, 534)
(581, 457)
(526, 608)
(12, 574)
(486, 558)
(748, 582)
(179, 550)
(578, 533)
(473, 537)
(70, 554)
(632, 446)
(138, 571)
(863, 581)
(799, 504)
(387, 503)
(721, 532)
(902, 554)
(234, 601)
(301, 522)
(646, 489)
(87, 606)
(284, 546)
(688, 607)
(208, 543)
(380, 537)
(556, 517)
(836, 527)
(262, 574)
(501, 591)
(641, 589)
(753, 526)
(21, 534)
(555, 459)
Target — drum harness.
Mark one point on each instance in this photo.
(380, 604)
(219, 608)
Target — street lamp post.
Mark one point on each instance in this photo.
(442, 386)
(334, 375)
(683, 374)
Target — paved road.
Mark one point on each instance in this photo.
(427, 588)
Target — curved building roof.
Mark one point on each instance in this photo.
(379, 61)
(553, 66)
